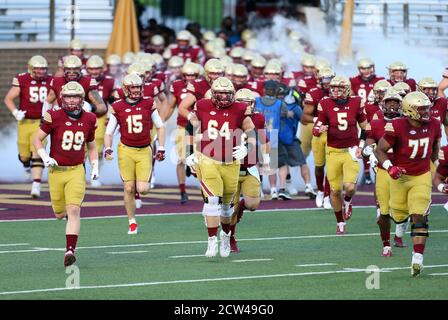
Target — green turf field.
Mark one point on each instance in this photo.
(284, 255)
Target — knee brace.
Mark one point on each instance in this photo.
(423, 232)
(212, 206)
(37, 163)
(26, 164)
(226, 210)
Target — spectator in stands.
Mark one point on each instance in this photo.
(195, 30)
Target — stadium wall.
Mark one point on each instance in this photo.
(14, 58)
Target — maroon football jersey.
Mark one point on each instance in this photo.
(412, 146)
(313, 98)
(192, 54)
(439, 109)
(298, 75)
(306, 84)
(363, 88)
(68, 136)
(370, 109)
(220, 128)
(260, 128)
(160, 85)
(161, 75)
(106, 87)
(87, 82)
(179, 90)
(256, 86)
(375, 130)
(135, 121)
(198, 88)
(33, 93)
(443, 161)
(410, 82)
(342, 121)
(289, 81)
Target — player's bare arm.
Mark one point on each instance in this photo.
(381, 150)
(435, 152)
(51, 97)
(38, 138)
(171, 105)
(442, 87)
(307, 116)
(98, 102)
(12, 94)
(186, 104)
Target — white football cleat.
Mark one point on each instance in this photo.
(327, 203)
(212, 248)
(320, 199)
(340, 229)
(95, 183)
(416, 264)
(138, 203)
(387, 251)
(133, 228)
(224, 249)
(289, 186)
(35, 190)
(445, 206)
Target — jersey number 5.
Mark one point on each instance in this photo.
(72, 140)
(342, 121)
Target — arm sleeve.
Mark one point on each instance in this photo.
(155, 117)
(112, 124)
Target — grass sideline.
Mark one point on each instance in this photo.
(291, 254)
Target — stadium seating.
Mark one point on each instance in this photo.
(29, 20)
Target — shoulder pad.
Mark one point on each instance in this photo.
(22, 74)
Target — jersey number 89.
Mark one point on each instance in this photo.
(72, 140)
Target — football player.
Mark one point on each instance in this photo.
(414, 140)
(114, 69)
(340, 114)
(363, 83)
(105, 86)
(257, 65)
(186, 51)
(398, 72)
(178, 89)
(77, 48)
(318, 144)
(440, 104)
(32, 89)
(135, 115)
(391, 109)
(249, 182)
(70, 129)
(221, 122)
(72, 72)
(308, 63)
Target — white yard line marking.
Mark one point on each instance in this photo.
(142, 284)
(37, 249)
(251, 260)
(438, 274)
(187, 256)
(126, 252)
(316, 264)
(13, 244)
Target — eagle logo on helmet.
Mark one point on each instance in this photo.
(417, 106)
(72, 96)
(132, 86)
(223, 92)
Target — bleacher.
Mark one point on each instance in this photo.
(29, 20)
(416, 21)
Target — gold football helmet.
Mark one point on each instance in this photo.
(223, 92)
(113, 60)
(213, 69)
(403, 88)
(391, 104)
(398, 71)
(72, 68)
(340, 88)
(157, 40)
(38, 67)
(429, 87)
(247, 96)
(417, 106)
(379, 89)
(130, 83)
(72, 96)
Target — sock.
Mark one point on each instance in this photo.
(419, 248)
(242, 205)
(327, 187)
(37, 180)
(71, 240)
(366, 167)
(212, 231)
(225, 227)
(385, 237)
(182, 187)
(137, 195)
(131, 221)
(347, 198)
(288, 177)
(232, 230)
(339, 217)
(320, 182)
(273, 190)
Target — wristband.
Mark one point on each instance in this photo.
(15, 112)
(266, 158)
(161, 148)
(440, 187)
(387, 164)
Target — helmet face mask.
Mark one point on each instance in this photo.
(367, 73)
(424, 113)
(132, 86)
(398, 75)
(134, 92)
(338, 92)
(72, 105)
(417, 106)
(72, 74)
(431, 92)
(325, 83)
(77, 52)
(222, 99)
(391, 108)
(95, 73)
(39, 73)
(239, 81)
(309, 70)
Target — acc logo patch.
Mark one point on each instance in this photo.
(68, 124)
(412, 132)
(336, 109)
(127, 110)
(212, 113)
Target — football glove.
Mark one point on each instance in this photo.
(239, 152)
(395, 172)
(19, 114)
(94, 175)
(108, 154)
(160, 155)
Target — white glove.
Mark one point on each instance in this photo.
(47, 160)
(373, 160)
(266, 159)
(94, 175)
(191, 160)
(19, 114)
(240, 152)
(352, 151)
(368, 150)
